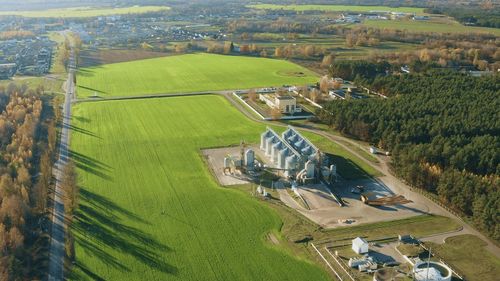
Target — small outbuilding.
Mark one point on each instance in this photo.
(360, 246)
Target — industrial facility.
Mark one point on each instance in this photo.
(296, 156)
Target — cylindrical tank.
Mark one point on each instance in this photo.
(263, 141)
(227, 162)
(269, 143)
(299, 144)
(333, 170)
(281, 158)
(274, 151)
(249, 158)
(290, 162)
(431, 271)
(310, 169)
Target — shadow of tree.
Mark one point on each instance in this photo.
(97, 226)
(90, 165)
(82, 131)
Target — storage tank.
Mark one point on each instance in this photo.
(269, 143)
(274, 151)
(227, 162)
(249, 159)
(310, 167)
(282, 157)
(290, 162)
(263, 138)
(431, 271)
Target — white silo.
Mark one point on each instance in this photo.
(269, 143)
(249, 159)
(310, 167)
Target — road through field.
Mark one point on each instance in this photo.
(56, 261)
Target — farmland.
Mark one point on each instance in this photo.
(149, 208)
(189, 73)
(82, 12)
(337, 8)
(446, 26)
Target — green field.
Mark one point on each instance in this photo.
(189, 73)
(149, 207)
(337, 8)
(82, 12)
(429, 26)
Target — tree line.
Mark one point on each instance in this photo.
(27, 144)
(443, 130)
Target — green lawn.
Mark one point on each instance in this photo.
(82, 12)
(467, 254)
(189, 73)
(149, 207)
(337, 8)
(430, 26)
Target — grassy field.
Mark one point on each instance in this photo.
(467, 254)
(52, 84)
(82, 12)
(348, 165)
(149, 207)
(189, 73)
(337, 8)
(430, 26)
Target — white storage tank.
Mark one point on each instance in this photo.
(249, 159)
(310, 167)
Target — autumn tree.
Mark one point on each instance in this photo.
(276, 113)
(252, 95)
(328, 60)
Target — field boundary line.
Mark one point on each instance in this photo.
(341, 266)
(327, 263)
(253, 109)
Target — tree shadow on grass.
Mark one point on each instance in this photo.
(82, 131)
(90, 165)
(97, 226)
(347, 168)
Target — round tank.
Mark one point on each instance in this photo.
(249, 158)
(310, 169)
(431, 271)
(227, 162)
(281, 158)
(269, 143)
(263, 141)
(290, 163)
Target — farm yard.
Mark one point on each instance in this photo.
(337, 8)
(189, 73)
(149, 208)
(82, 12)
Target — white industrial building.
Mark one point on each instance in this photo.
(360, 245)
(286, 104)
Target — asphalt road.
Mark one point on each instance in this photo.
(56, 261)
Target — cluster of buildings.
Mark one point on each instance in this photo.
(122, 31)
(374, 15)
(422, 270)
(31, 56)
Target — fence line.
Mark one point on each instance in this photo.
(327, 263)
(341, 265)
